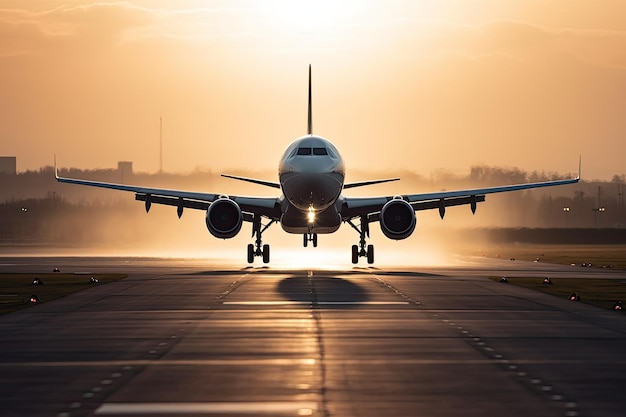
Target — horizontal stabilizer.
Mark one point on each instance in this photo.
(254, 181)
(364, 183)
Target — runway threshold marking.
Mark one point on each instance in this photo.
(300, 408)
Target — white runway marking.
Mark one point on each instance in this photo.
(363, 303)
(267, 303)
(287, 303)
(296, 362)
(299, 408)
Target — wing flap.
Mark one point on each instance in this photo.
(269, 207)
(446, 202)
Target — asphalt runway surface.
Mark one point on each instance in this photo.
(196, 338)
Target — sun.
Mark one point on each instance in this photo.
(317, 13)
(325, 19)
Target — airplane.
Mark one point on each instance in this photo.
(311, 176)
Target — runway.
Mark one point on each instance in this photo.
(187, 337)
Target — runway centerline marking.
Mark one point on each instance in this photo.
(206, 408)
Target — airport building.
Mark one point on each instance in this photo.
(8, 165)
(125, 168)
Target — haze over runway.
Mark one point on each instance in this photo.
(522, 83)
(205, 337)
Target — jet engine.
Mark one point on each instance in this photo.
(397, 219)
(224, 218)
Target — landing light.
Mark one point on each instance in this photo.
(547, 281)
(34, 298)
(311, 215)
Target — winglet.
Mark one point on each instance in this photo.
(580, 161)
(56, 171)
(310, 126)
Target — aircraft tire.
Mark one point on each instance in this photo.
(355, 254)
(250, 253)
(266, 254)
(370, 254)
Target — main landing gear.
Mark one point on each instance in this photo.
(361, 250)
(309, 237)
(258, 249)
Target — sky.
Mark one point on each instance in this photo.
(417, 85)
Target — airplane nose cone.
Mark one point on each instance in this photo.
(305, 190)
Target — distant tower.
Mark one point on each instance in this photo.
(125, 169)
(161, 145)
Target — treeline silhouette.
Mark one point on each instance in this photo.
(34, 208)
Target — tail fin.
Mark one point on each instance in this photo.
(310, 127)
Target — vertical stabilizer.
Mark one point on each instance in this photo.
(310, 127)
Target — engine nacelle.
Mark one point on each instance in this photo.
(397, 219)
(224, 218)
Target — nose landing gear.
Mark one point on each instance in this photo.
(309, 237)
(258, 249)
(362, 249)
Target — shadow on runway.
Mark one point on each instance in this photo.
(322, 289)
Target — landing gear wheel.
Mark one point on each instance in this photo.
(266, 254)
(258, 249)
(315, 240)
(305, 241)
(250, 253)
(370, 254)
(360, 250)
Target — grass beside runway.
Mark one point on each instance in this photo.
(16, 290)
(599, 256)
(598, 292)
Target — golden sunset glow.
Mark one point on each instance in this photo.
(424, 85)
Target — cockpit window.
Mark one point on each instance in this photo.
(311, 151)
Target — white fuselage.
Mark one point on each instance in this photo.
(311, 174)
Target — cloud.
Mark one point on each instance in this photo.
(26, 32)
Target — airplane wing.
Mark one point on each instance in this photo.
(371, 206)
(264, 206)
